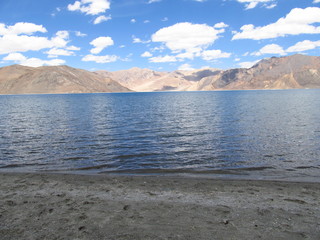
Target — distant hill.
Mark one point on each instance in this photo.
(18, 79)
(296, 71)
(146, 80)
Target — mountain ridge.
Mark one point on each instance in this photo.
(289, 72)
(17, 79)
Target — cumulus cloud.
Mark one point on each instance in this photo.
(14, 43)
(187, 36)
(316, 1)
(163, 59)
(250, 4)
(146, 54)
(214, 54)
(32, 62)
(20, 37)
(90, 7)
(54, 52)
(138, 40)
(100, 43)
(11, 43)
(101, 19)
(298, 47)
(100, 59)
(187, 41)
(185, 67)
(270, 49)
(21, 28)
(304, 46)
(221, 25)
(298, 21)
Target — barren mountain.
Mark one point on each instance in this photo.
(296, 71)
(18, 79)
(133, 78)
(146, 80)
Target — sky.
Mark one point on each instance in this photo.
(163, 35)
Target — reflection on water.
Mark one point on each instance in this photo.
(255, 134)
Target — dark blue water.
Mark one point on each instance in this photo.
(250, 134)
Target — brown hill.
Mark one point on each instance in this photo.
(18, 79)
(146, 80)
(296, 71)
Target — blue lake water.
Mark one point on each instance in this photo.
(236, 134)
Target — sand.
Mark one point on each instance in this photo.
(65, 206)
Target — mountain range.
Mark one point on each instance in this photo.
(290, 72)
(17, 79)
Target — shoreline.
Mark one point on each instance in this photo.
(113, 206)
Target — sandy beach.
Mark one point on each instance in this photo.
(65, 206)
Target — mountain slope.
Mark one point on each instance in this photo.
(146, 80)
(18, 79)
(296, 71)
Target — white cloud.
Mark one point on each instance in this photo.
(153, 1)
(138, 40)
(187, 36)
(17, 57)
(32, 62)
(163, 59)
(21, 28)
(221, 25)
(271, 6)
(20, 38)
(101, 19)
(185, 67)
(80, 34)
(100, 59)
(90, 7)
(304, 46)
(214, 54)
(298, 21)
(146, 54)
(316, 1)
(63, 34)
(100, 43)
(54, 52)
(247, 64)
(270, 49)
(23, 43)
(14, 43)
(133, 20)
(73, 48)
(187, 55)
(250, 4)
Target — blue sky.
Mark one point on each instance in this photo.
(163, 35)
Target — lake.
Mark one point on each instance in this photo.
(227, 134)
